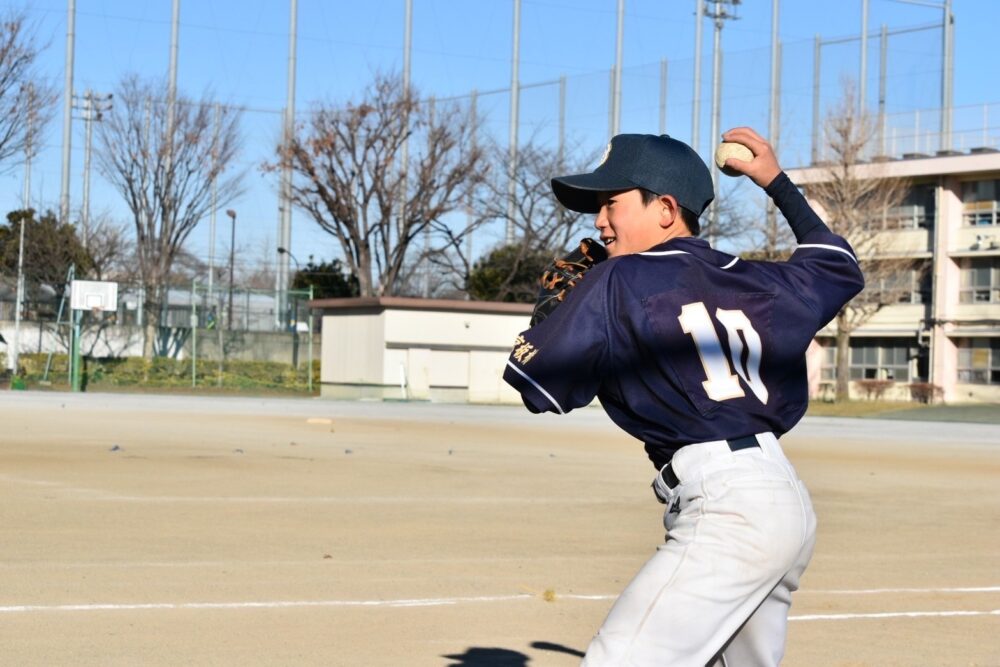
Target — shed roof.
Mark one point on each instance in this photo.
(379, 304)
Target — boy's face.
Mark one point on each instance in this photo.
(627, 225)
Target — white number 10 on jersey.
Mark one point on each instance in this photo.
(721, 384)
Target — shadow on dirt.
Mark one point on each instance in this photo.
(501, 657)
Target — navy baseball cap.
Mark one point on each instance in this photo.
(659, 164)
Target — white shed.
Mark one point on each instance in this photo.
(418, 349)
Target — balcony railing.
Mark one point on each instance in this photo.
(981, 213)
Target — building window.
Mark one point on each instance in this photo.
(916, 211)
(880, 359)
(979, 360)
(980, 281)
(980, 202)
(828, 367)
(909, 285)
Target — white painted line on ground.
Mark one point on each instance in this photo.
(893, 614)
(366, 500)
(560, 596)
(316, 561)
(438, 602)
(879, 591)
(429, 602)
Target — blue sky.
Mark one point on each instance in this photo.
(238, 51)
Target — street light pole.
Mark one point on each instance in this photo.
(286, 251)
(286, 316)
(232, 248)
(13, 350)
(295, 360)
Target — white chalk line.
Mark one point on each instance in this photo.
(438, 602)
(301, 562)
(365, 500)
(416, 602)
(880, 591)
(892, 614)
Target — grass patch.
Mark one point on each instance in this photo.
(978, 413)
(134, 374)
(859, 408)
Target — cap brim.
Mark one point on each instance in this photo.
(580, 192)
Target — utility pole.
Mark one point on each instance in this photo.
(663, 96)
(67, 140)
(882, 67)
(863, 77)
(285, 205)
(616, 106)
(696, 98)
(774, 115)
(474, 140)
(515, 90)
(719, 14)
(232, 256)
(172, 88)
(92, 107)
(404, 149)
(431, 104)
(561, 154)
(817, 55)
(215, 198)
(29, 146)
(948, 64)
(611, 102)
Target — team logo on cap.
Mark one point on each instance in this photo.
(607, 153)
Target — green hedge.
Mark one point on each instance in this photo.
(170, 373)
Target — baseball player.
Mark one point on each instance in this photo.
(700, 356)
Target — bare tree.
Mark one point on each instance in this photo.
(111, 249)
(543, 229)
(857, 200)
(165, 180)
(347, 176)
(26, 101)
(767, 237)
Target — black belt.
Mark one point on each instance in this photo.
(735, 445)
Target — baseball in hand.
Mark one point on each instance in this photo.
(730, 149)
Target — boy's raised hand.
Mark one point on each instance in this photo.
(764, 167)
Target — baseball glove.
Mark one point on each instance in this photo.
(563, 274)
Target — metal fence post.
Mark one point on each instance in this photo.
(194, 334)
(309, 372)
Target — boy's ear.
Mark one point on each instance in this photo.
(670, 210)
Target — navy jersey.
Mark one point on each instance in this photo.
(684, 344)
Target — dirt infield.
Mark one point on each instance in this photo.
(209, 531)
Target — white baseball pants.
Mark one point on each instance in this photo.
(740, 532)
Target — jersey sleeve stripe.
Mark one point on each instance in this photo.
(829, 247)
(664, 253)
(731, 264)
(537, 386)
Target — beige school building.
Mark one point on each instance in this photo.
(945, 328)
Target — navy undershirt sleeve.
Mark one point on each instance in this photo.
(800, 215)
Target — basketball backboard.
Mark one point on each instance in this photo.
(94, 295)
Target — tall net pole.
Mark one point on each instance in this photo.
(515, 90)
(67, 139)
